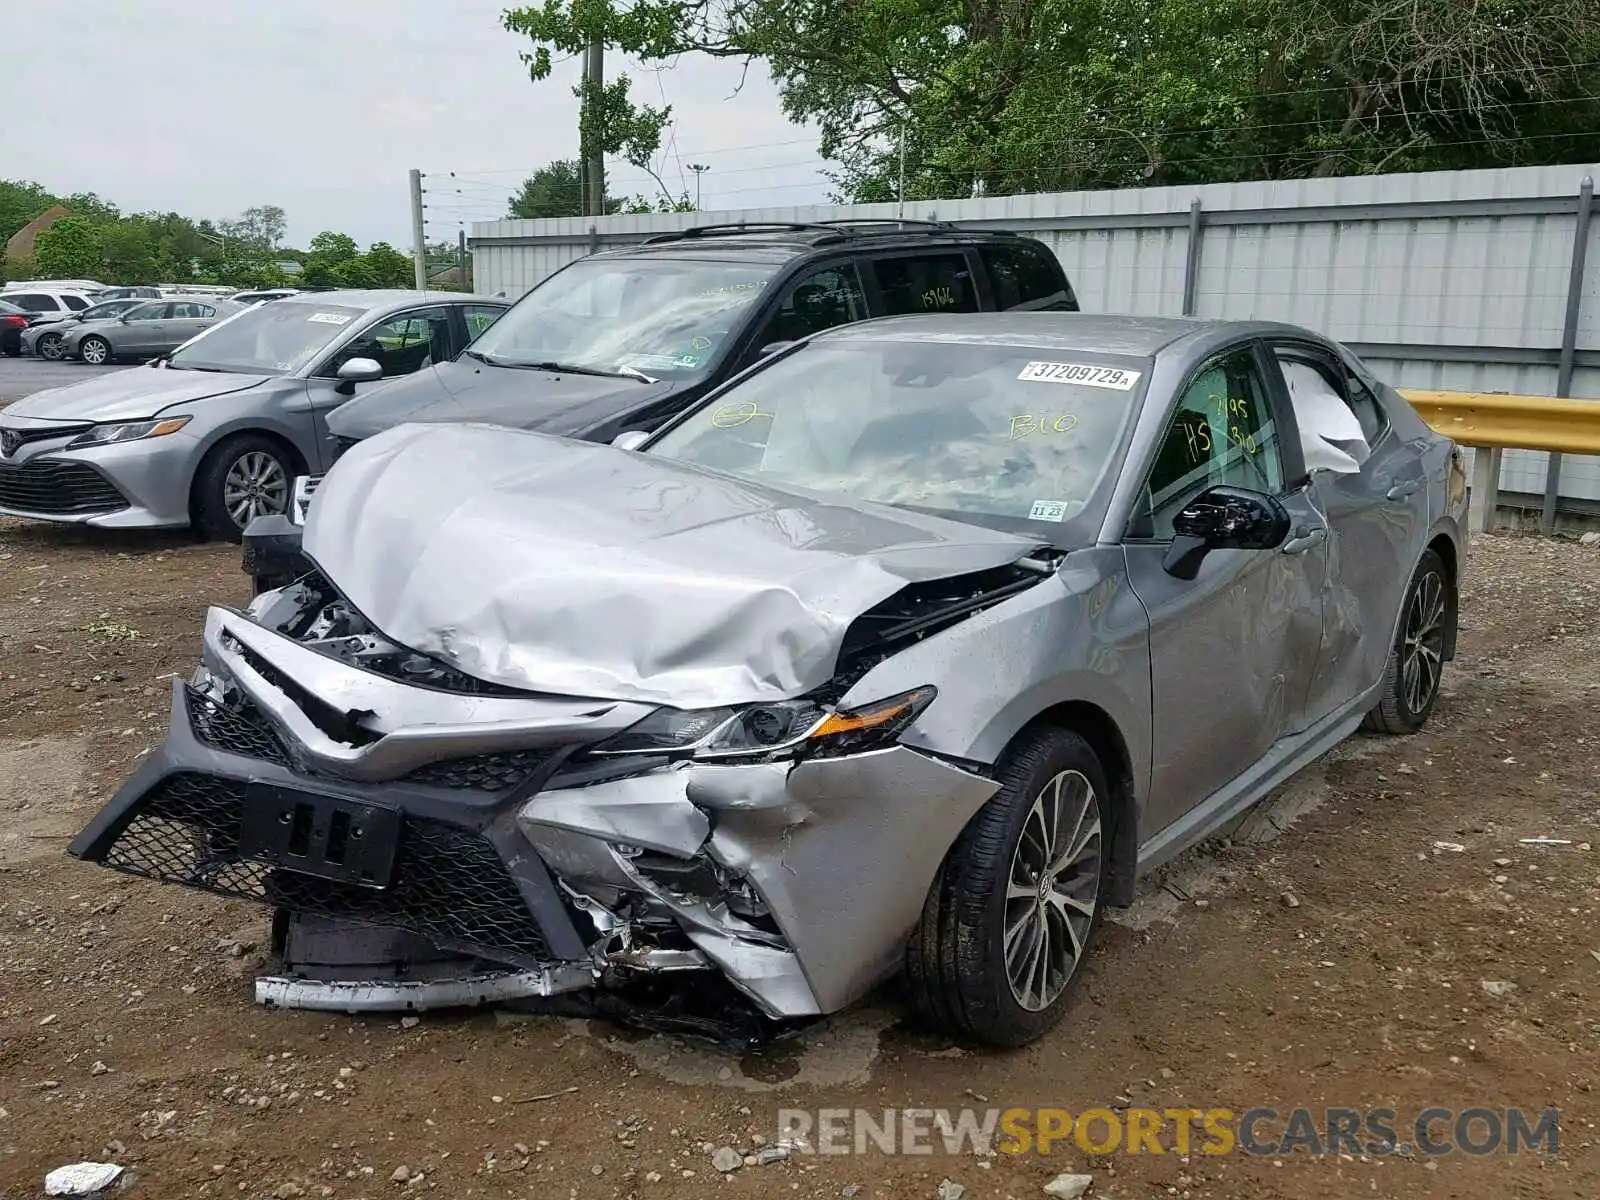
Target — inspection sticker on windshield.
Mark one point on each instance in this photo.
(1048, 510)
(329, 318)
(1101, 377)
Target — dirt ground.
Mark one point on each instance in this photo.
(1339, 963)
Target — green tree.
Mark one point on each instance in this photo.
(609, 122)
(20, 202)
(72, 248)
(1000, 96)
(331, 247)
(554, 190)
(388, 267)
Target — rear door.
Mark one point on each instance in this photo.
(189, 317)
(939, 279)
(1367, 480)
(146, 331)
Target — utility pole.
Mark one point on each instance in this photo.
(902, 169)
(419, 244)
(699, 169)
(594, 161)
(461, 257)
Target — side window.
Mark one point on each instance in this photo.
(814, 302)
(479, 317)
(926, 283)
(1221, 433)
(1339, 419)
(75, 303)
(151, 312)
(1024, 275)
(34, 302)
(404, 343)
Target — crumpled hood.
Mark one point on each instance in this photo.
(128, 395)
(579, 569)
(467, 390)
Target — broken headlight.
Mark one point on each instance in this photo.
(780, 729)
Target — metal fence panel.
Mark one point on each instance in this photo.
(1450, 280)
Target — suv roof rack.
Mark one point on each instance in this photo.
(838, 229)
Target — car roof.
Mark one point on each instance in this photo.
(1102, 333)
(379, 299)
(780, 241)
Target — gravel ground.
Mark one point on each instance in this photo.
(1340, 962)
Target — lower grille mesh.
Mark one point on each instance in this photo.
(49, 485)
(450, 886)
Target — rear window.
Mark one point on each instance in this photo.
(1026, 275)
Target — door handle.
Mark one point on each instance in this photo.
(1402, 491)
(1304, 539)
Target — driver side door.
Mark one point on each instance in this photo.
(1233, 650)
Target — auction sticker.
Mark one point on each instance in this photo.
(1048, 510)
(1114, 378)
(329, 318)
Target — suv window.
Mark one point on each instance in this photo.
(479, 317)
(1027, 276)
(75, 303)
(923, 283)
(38, 302)
(1223, 432)
(815, 301)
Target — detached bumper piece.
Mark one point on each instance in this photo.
(219, 809)
(272, 555)
(54, 487)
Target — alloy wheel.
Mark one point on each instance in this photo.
(257, 485)
(50, 347)
(94, 351)
(1053, 890)
(1422, 650)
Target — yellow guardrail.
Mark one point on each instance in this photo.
(1507, 422)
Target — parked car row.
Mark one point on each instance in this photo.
(748, 616)
(51, 311)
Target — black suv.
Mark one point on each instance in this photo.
(625, 339)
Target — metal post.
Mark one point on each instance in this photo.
(461, 258)
(1483, 497)
(419, 244)
(1191, 265)
(1569, 344)
(699, 169)
(902, 169)
(594, 159)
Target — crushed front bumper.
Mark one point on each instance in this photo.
(541, 869)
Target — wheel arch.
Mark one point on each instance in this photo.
(1443, 543)
(226, 434)
(1097, 727)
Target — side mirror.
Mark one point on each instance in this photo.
(1224, 518)
(358, 370)
(772, 348)
(629, 438)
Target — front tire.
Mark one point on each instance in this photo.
(244, 477)
(50, 347)
(1015, 907)
(95, 351)
(1416, 660)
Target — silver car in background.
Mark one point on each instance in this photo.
(144, 331)
(906, 651)
(212, 434)
(44, 337)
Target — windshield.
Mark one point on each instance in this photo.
(666, 317)
(271, 340)
(967, 430)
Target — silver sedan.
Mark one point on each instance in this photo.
(906, 651)
(149, 329)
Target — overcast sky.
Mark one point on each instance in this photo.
(205, 107)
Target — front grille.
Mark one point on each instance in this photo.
(244, 731)
(241, 731)
(59, 488)
(450, 886)
(12, 440)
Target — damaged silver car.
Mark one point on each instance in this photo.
(904, 653)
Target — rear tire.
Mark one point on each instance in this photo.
(248, 474)
(1000, 942)
(1416, 660)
